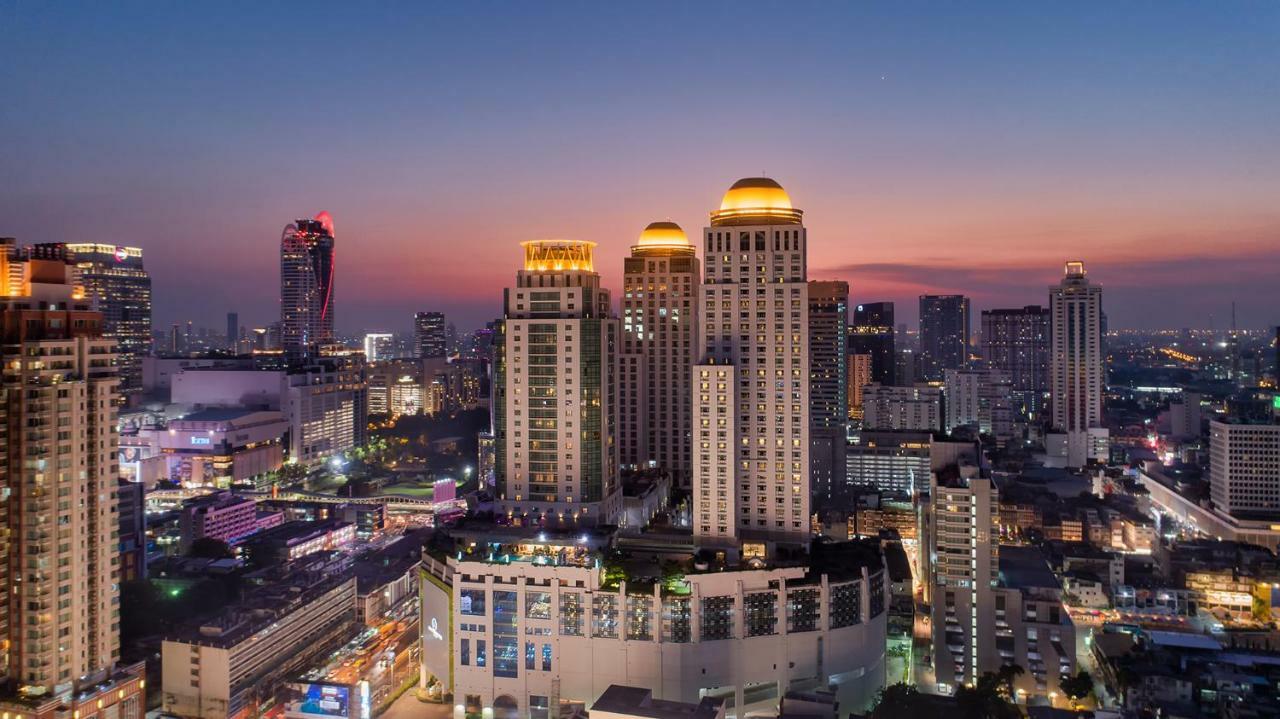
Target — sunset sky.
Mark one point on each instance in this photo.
(934, 147)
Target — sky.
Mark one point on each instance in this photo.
(934, 147)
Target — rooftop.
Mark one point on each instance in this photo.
(637, 701)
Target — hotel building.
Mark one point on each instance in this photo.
(659, 326)
(751, 393)
(555, 391)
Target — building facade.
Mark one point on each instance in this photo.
(828, 388)
(902, 408)
(114, 279)
(306, 285)
(659, 331)
(58, 475)
(539, 639)
(872, 333)
(1017, 341)
(981, 398)
(556, 389)
(751, 391)
(1244, 468)
(429, 335)
(1077, 370)
(944, 334)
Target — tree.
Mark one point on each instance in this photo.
(1077, 687)
(210, 548)
(902, 700)
(985, 700)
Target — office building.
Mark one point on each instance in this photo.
(396, 388)
(752, 395)
(1017, 341)
(555, 391)
(979, 398)
(659, 331)
(233, 664)
(828, 388)
(233, 332)
(1185, 418)
(115, 281)
(306, 285)
(543, 631)
(58, 478)
(327, 405)
(872, 333)
(1077, 371)
(944, 334)
(1244, 467)
(429, 335)
(902, 408)
(379, 346)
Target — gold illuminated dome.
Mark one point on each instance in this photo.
(756, 201)
(662, 234)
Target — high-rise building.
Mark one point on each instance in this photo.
(872, 333)
(659, 325)
(233, 332)
(859, 377)
(115, 281)
(1017, 341)
(944, 334)
(828, 388)
(58, 477)
(1076, 365)
(979, 398)
(306, 285)
(379, 346)
(429, 335)
(1244, 467)
(751, 408)
(963, 567)
(555, 391)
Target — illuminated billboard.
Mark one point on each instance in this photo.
(316, 699)
(437, 630)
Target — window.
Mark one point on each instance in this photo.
(472, 602)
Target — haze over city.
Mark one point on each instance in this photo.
(943, 148)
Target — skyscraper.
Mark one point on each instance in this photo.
(1017, 341)
(555, 390)
(58, 473)
(233, 331)
(1076, 366)
(872, 333)
(751, 397)
(306, 285)
(944, 334)
(828, 388)
(659, 324)
(379, 346)
(429, 335)
(115, 281)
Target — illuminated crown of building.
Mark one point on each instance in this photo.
(662, 239)
(558, 255)
(756, 201)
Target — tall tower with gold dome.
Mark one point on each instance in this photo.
(555, 386)
(751, 385)
(659, 326)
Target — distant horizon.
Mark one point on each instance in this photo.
(961, 150)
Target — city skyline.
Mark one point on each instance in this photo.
(1063, 138)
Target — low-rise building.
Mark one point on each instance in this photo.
(295, 540)
(229, 666)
